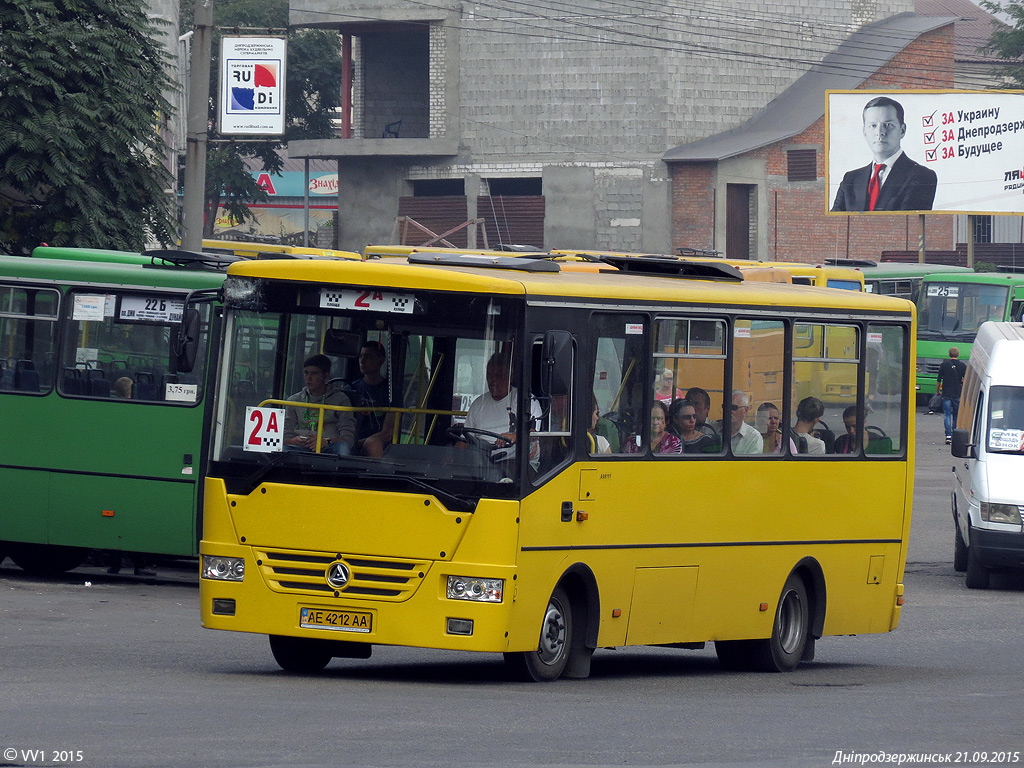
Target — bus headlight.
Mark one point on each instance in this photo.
(1000, 513)
(477, 590)
(222, 568)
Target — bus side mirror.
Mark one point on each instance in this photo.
(556, 363)
(959, 446)
(185, 342)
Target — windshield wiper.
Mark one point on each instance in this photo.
(274, 461)
(450, 500)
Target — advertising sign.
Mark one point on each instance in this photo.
(252, 73)
(894, 152)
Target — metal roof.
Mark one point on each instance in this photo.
(796, 108)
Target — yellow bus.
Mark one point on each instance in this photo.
(602, 531)
(252, 250)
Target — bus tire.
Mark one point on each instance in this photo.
(734, 655)
(300, 655)
(784, 649)
(959, 550)
(46, 559)
(977, 574)
(556, 636)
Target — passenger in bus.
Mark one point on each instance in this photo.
(768, 421)
(808, 412)
(701, 401)
(664, 391)
(300, 423)
(123, 388)
(848, 443)
(495, 410)
(683, 424)
(662, 441)
(745, 440)
(373, 428)
(600, 443)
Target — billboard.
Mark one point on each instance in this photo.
(890, 152)
(252, 71)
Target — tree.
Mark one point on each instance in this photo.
(80, 153)
(312, 93)
(1007, 40)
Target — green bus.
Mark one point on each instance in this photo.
(896, 278)
(105, 439)
(951, 308)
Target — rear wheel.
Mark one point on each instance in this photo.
(45, 559)
(977, 574)
(300, 654)
(959, 550)
(548, 661)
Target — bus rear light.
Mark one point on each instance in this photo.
(222, 568)
(477, 590)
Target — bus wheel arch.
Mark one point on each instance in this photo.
(568, 634)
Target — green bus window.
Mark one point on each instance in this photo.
(28, 338)
(885, 415)
(758, 365)
(117, 345)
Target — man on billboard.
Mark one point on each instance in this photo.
(892, 182)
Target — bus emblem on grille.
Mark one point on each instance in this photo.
(337, 575)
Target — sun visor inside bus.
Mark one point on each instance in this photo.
(341, 343)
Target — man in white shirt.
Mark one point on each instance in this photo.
(808, 411)
(745, 439)
(494, 411)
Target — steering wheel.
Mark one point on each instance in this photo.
(472, 435)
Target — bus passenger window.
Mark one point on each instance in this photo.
(825, 362)
(28, 333)
(885, 411)
(691, 352)
(758, 362)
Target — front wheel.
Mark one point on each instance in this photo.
(977, 574)
(548, 661)
(959, 550)
(299, 654)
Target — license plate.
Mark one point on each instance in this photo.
(340, 621)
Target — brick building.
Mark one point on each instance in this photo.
(758, 191)
(556, 122)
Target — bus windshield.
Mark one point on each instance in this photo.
(434, 356)
(1006, 420)
(954, 311)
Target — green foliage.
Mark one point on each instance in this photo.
(984, 266)
(80, 152)
(1007, 41)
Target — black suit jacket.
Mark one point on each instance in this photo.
(908, 186)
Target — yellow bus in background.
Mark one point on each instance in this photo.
(252, 250)
(544, 543)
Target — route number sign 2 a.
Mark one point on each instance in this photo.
(264, 429)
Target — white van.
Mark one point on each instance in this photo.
(988, 443)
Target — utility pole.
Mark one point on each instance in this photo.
(196, 127)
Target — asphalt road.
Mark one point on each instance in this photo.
(116, 671)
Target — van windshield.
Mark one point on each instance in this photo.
(1006, 420)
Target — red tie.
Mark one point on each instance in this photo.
(873, 187)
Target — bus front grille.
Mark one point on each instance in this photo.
(369, 578)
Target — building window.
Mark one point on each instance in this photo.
(802, 164)
(438, 187)
(983, 229)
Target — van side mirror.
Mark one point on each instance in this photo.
(556, 363)
(185, 342)
(959, 446)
